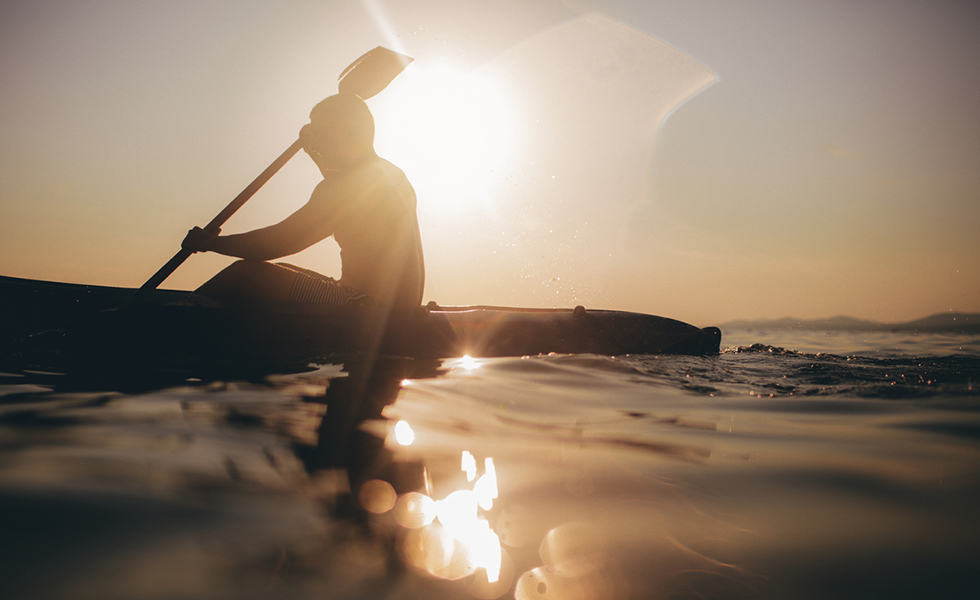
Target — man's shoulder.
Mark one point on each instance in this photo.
(384, 169)
(381, 176)
(372, 169)
(372, 176)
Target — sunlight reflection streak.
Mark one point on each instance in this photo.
(468, 465)
(381, 21)
(454, 539)
(404, 434)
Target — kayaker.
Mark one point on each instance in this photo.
(364, 201)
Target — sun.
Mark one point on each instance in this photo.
(453, 131)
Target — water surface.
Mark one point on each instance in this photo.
(803, 465)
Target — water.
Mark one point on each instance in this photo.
(793, 465)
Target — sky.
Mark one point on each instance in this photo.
(700, 160)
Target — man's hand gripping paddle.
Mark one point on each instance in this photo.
(365, 77)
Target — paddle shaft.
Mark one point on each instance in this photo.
(226, 213)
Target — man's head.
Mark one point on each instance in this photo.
(341, 131)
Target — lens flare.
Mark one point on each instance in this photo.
(377, 496)
(414, 510)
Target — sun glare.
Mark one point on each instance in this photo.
(450, 537)
(453, 131)
(465, 362)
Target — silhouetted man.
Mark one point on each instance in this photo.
(364, 201)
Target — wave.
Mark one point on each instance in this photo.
(780, 371)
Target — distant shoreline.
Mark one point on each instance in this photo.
(939, 323)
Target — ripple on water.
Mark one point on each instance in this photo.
(761, 473)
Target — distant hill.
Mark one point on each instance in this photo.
(942, 322)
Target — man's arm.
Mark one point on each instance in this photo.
(300, 230)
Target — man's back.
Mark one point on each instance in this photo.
(377, 230)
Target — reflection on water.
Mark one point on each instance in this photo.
(450, 539)
(575, 566)
(454, 539)
(404, 434)
(465, 362)
(759, 473)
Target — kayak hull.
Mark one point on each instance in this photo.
(57, 318)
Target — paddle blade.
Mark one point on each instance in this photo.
(372, 72)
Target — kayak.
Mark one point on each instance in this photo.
(51, 318)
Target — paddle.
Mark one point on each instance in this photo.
(365, 77)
